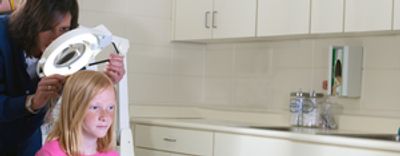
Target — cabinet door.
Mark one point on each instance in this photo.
(327, 16)
(234, 18)
(192, 19)
(146, 152)
(242, 145)
(191, 142)
(368, 15)
(315, 149)
(283, 17)
(396, 17)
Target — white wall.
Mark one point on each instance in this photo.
(248, 76)
(262, 74)
(159, 72)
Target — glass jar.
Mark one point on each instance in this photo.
(297, 100)
(311, 110)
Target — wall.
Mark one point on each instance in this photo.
(249, 76)
(262, 74)
(159, 72)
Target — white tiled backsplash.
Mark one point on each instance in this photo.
(247, 75)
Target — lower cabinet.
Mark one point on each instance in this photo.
(154, 140)
(172, 140)
(244, 145)
(146, 152)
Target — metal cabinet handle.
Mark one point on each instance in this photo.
(206, 20)
(169, 140)
(213, 19)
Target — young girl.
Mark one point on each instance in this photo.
(85, 125)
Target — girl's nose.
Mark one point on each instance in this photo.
(105, 116)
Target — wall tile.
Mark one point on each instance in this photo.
(150, 8)
(150, 59)
(149, 89)
(219, 61)
(318, 75)
(114, 6)
(148, 31)
(382, 52)
(292, 57)
(252, 61)
(114, 22)
(252, 92)
(188, 61)
(218, 91)
(187, 89)
(381, 89)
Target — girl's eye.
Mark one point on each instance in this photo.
(111, 108)
(93, 107)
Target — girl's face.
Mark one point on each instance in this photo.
(47, 36)
(99, 116)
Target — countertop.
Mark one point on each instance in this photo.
(310, 135)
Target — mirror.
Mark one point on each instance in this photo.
(345, 71)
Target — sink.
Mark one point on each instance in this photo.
(386, 137)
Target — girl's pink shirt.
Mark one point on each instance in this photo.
(53, 148)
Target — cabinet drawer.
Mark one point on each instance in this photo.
(185, 141)
(146, 152)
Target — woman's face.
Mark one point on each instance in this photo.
(63, 24)
(99, 116)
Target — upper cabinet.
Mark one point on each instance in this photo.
(283, 17)
(214, 19)
(192, 19)
(368, 15)
(225, 19)
(327, 16)
(396, 18)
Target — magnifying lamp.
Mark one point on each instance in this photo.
(74, 51)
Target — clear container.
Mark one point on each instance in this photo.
(329, 111)
(311, 110)
(297, 100)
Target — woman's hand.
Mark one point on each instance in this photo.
(49, 87)
(115, 68)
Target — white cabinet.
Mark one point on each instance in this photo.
(234, 18)
(184, 141)
(396, 18)
(283, 17)
(216, 19)
(368, 15)
(192, 19)
(327, 16)
(244, 145)
(146, 152)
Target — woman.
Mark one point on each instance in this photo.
(24, 35)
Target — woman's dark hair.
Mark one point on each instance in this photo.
(35, 16)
